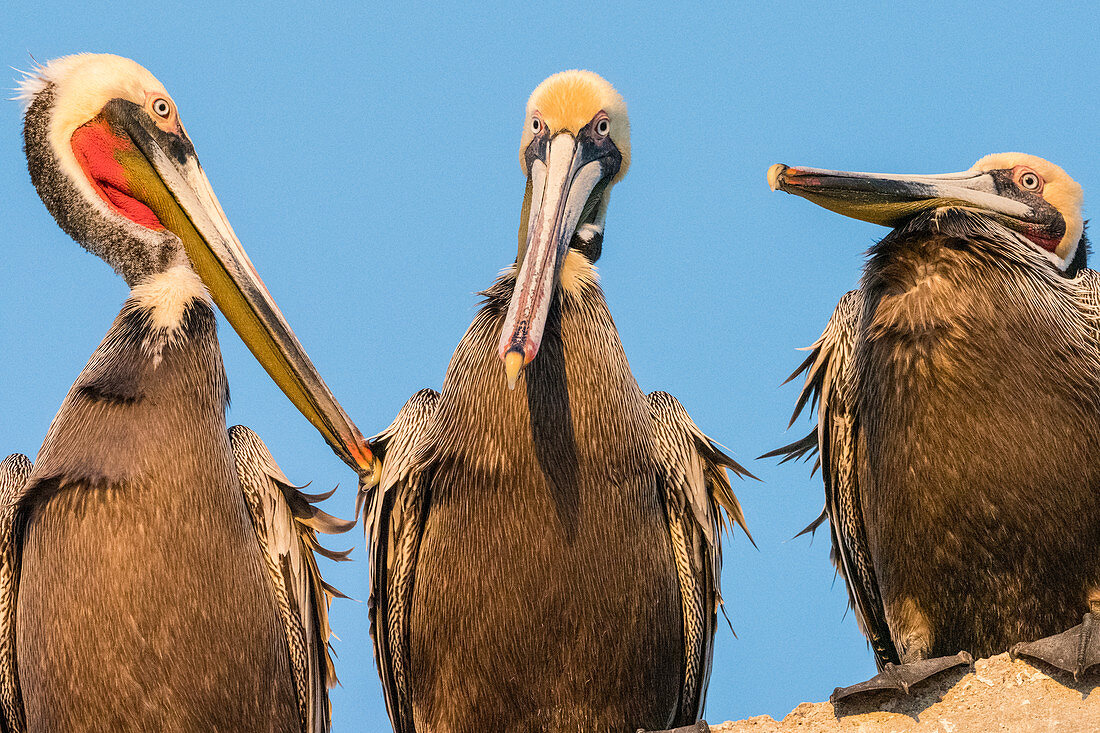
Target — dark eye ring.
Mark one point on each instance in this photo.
(536, 125)
(1030, 181)
(603, 127)
(162, 108)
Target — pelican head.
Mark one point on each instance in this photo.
(575, 147)
(1028, 200)
(110, 158)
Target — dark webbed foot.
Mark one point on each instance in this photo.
(698, 727)
(901, 677)
(1076, 651)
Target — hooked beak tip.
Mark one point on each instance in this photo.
(371, 477)
(513, 365)
(775, 174)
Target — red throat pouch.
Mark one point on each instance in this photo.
(96, 147)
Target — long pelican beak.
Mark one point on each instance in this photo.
(175, 187)
(564, 175)
(891, 199)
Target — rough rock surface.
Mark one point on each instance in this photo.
(998, 695)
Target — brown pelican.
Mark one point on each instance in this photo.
(958, 414)
(545, 537)
(158, 571)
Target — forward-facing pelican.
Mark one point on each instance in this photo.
(959, 415)
(545, 538)
(158, 570)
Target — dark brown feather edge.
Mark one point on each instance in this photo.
(15, 470)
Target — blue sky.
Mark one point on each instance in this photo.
(367, 158)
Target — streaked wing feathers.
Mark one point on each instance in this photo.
(830, 385)
(286, 524)
(692, 471)
(393, 522)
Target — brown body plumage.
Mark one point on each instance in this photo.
(543, 589)
(545, 558)
(143, 600)
(568, 574)
(980, 419)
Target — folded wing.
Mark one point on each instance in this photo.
(692, 475)
(395, 514)
(286, 524)
(830, 385)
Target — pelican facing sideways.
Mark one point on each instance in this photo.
(958, 416)
(545, 537)
(158, 570)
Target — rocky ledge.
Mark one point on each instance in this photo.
(998, 695)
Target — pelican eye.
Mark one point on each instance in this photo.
(536, 125)
(603, 127)
(162, 107)
(1029, 180)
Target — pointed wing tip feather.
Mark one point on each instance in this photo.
(812, 527)
(805, 362)
(317, 498)
(334, 555)
(737, 469)
(726, 616)
(802, 448)
(720, 453)
(321, 521)
(335, 592)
